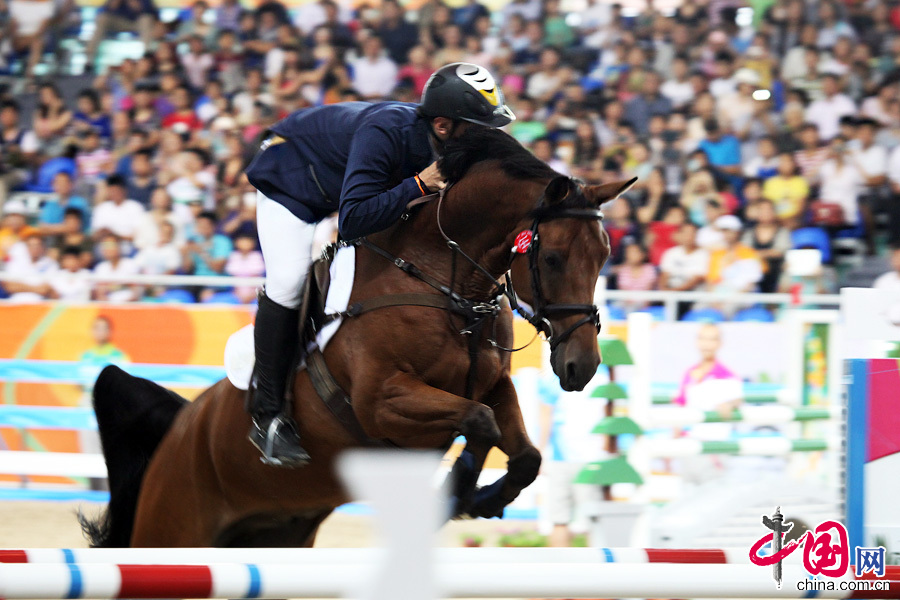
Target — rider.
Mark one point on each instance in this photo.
(366, 161)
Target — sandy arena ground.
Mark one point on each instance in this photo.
(53, 525)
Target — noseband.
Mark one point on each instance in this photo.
(541, 312)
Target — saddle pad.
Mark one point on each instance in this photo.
(239, 351)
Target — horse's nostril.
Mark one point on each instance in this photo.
(570, 370)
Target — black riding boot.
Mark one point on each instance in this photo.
(277, 339)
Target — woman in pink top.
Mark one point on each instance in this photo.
(245, 261)
(709, 340)
(635, 273)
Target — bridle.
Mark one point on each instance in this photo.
(541, 312)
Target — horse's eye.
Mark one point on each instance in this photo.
(553, 261)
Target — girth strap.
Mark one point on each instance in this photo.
(337, 400)
(426, 300)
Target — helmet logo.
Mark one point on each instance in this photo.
(480, 79)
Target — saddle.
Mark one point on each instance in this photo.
(312, 319)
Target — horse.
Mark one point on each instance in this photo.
(419, 372)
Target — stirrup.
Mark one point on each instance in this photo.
(280, 429)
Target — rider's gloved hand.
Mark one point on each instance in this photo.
(432, 178)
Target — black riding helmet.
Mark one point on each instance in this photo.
(467, 92)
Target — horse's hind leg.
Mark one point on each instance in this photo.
(271, 531)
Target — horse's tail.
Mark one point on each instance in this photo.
(133, 415)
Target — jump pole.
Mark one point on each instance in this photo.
(351, 556)
(473, 580)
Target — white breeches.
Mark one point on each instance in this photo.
(287, 244)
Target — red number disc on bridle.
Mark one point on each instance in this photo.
(523, 241)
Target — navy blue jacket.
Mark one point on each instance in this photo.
(356, 158)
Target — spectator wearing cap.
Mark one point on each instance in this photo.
(118, 215)
(13, 227)
(123, 15)
(115, 265)
(736, 267)
(29, 269)
(738, 111)
(374, 75)
(648, 103)
(51, 217)
(787, 191)
(826, 112)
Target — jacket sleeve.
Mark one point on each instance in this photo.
(367, 205)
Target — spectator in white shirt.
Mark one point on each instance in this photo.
(893, 173)
(842, 181)
(890, 281)
(117, 216)
(826, 112)
(70, 283)
(163, 257)
(679, 89)
(683, 267)
(871, 160)
(194, 181)
(114, 264)
(374, 74)
(29, 272)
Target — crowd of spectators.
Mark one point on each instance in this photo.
(748, 122)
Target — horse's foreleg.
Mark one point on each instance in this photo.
(410, 409)
(524, 458)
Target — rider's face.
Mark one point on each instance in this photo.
(444, 128)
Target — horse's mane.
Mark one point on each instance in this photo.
(479, 144)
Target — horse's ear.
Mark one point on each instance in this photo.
(557, 190)
(608, 191)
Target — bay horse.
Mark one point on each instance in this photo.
(183, 473)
